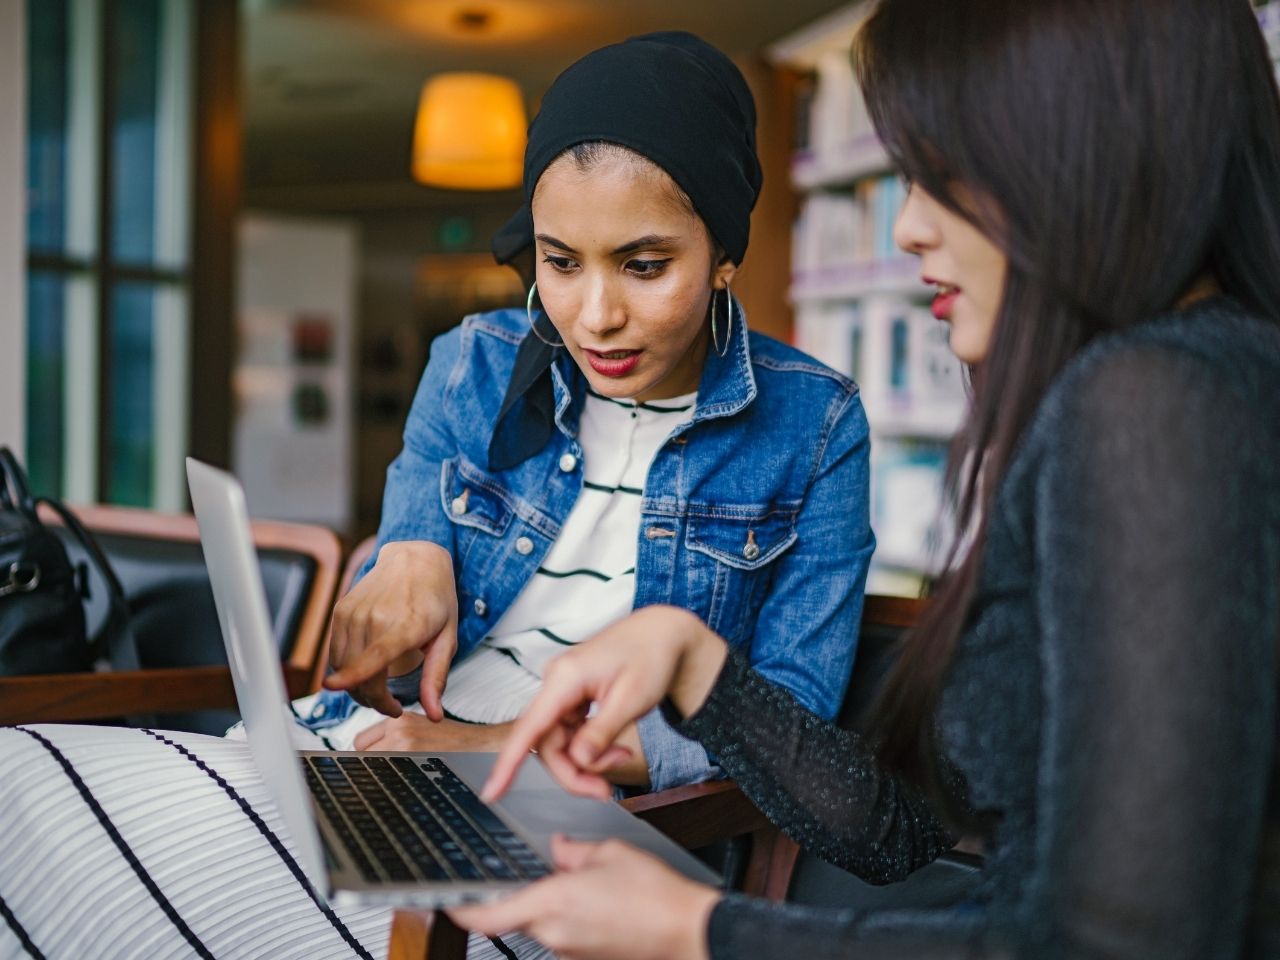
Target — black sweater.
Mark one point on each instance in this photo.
(1112, 707)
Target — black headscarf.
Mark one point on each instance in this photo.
(672, 98)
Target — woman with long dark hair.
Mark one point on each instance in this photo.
(1096, 194)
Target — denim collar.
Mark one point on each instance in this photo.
(728, 383)
(540, 394)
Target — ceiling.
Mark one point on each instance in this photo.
(331, 85)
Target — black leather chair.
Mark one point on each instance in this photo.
(184, 679)
(946, 880)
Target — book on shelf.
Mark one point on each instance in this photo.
(906, 491)
(835, 230)
(806, 87)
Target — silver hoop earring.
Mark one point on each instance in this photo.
(528, 311)
(728, 297)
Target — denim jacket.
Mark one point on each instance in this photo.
(755, 514)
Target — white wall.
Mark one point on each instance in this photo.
(13, 224)
(291, 269)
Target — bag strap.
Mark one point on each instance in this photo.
(14, 492)
(121, 641)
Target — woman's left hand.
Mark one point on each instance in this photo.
(608, 901)
(414, 732)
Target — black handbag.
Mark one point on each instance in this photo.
(42, 595)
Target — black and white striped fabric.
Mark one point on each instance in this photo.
(587, 579)
(152, 844)
(130, 843)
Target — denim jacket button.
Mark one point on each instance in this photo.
(459, 506)
(568, 462)
(751, 551)
(524, 546)
(481, 608)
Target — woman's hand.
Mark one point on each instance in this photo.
(414, 733)
(609, 901)
(407, 605)
(626, 670)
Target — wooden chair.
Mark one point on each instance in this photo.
(160, 564)
(700, 814)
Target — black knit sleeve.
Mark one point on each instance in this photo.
(817, 782)
(820, 784)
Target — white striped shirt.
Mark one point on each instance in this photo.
(587, 580)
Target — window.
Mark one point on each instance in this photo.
(109, 150)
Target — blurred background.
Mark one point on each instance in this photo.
(232, 229)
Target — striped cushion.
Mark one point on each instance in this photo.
(134, 843)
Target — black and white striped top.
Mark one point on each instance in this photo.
(587, 580)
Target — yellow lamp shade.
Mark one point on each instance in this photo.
(470, 132)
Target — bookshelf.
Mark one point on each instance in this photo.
(859, 304)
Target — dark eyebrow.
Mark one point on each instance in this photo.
(640, 243)
(651, 240)
(551, 241)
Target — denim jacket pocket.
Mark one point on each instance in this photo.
(743, 542)
(471, 498)
(743, 537)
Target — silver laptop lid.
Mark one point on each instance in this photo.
(238, 594)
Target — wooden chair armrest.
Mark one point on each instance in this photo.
(416, 935)
(698, 814)
(69, 697)
(702, 813)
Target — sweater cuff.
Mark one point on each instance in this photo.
(406, 688)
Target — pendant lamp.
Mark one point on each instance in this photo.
(470, 132)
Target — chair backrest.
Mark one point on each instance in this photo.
(161, 568)
(884, 621)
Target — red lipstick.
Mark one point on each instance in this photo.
(945, 299)
(613, 363)
(943, 304)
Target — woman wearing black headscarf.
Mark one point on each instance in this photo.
(620, 440)
(740, 494)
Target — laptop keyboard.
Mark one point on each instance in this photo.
(406, 820)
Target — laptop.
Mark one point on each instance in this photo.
(385, 828)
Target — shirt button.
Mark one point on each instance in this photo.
(751, 551)
(568, 462)
(524, 546)
(459, 506)
(318, 712)
(481, 608)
